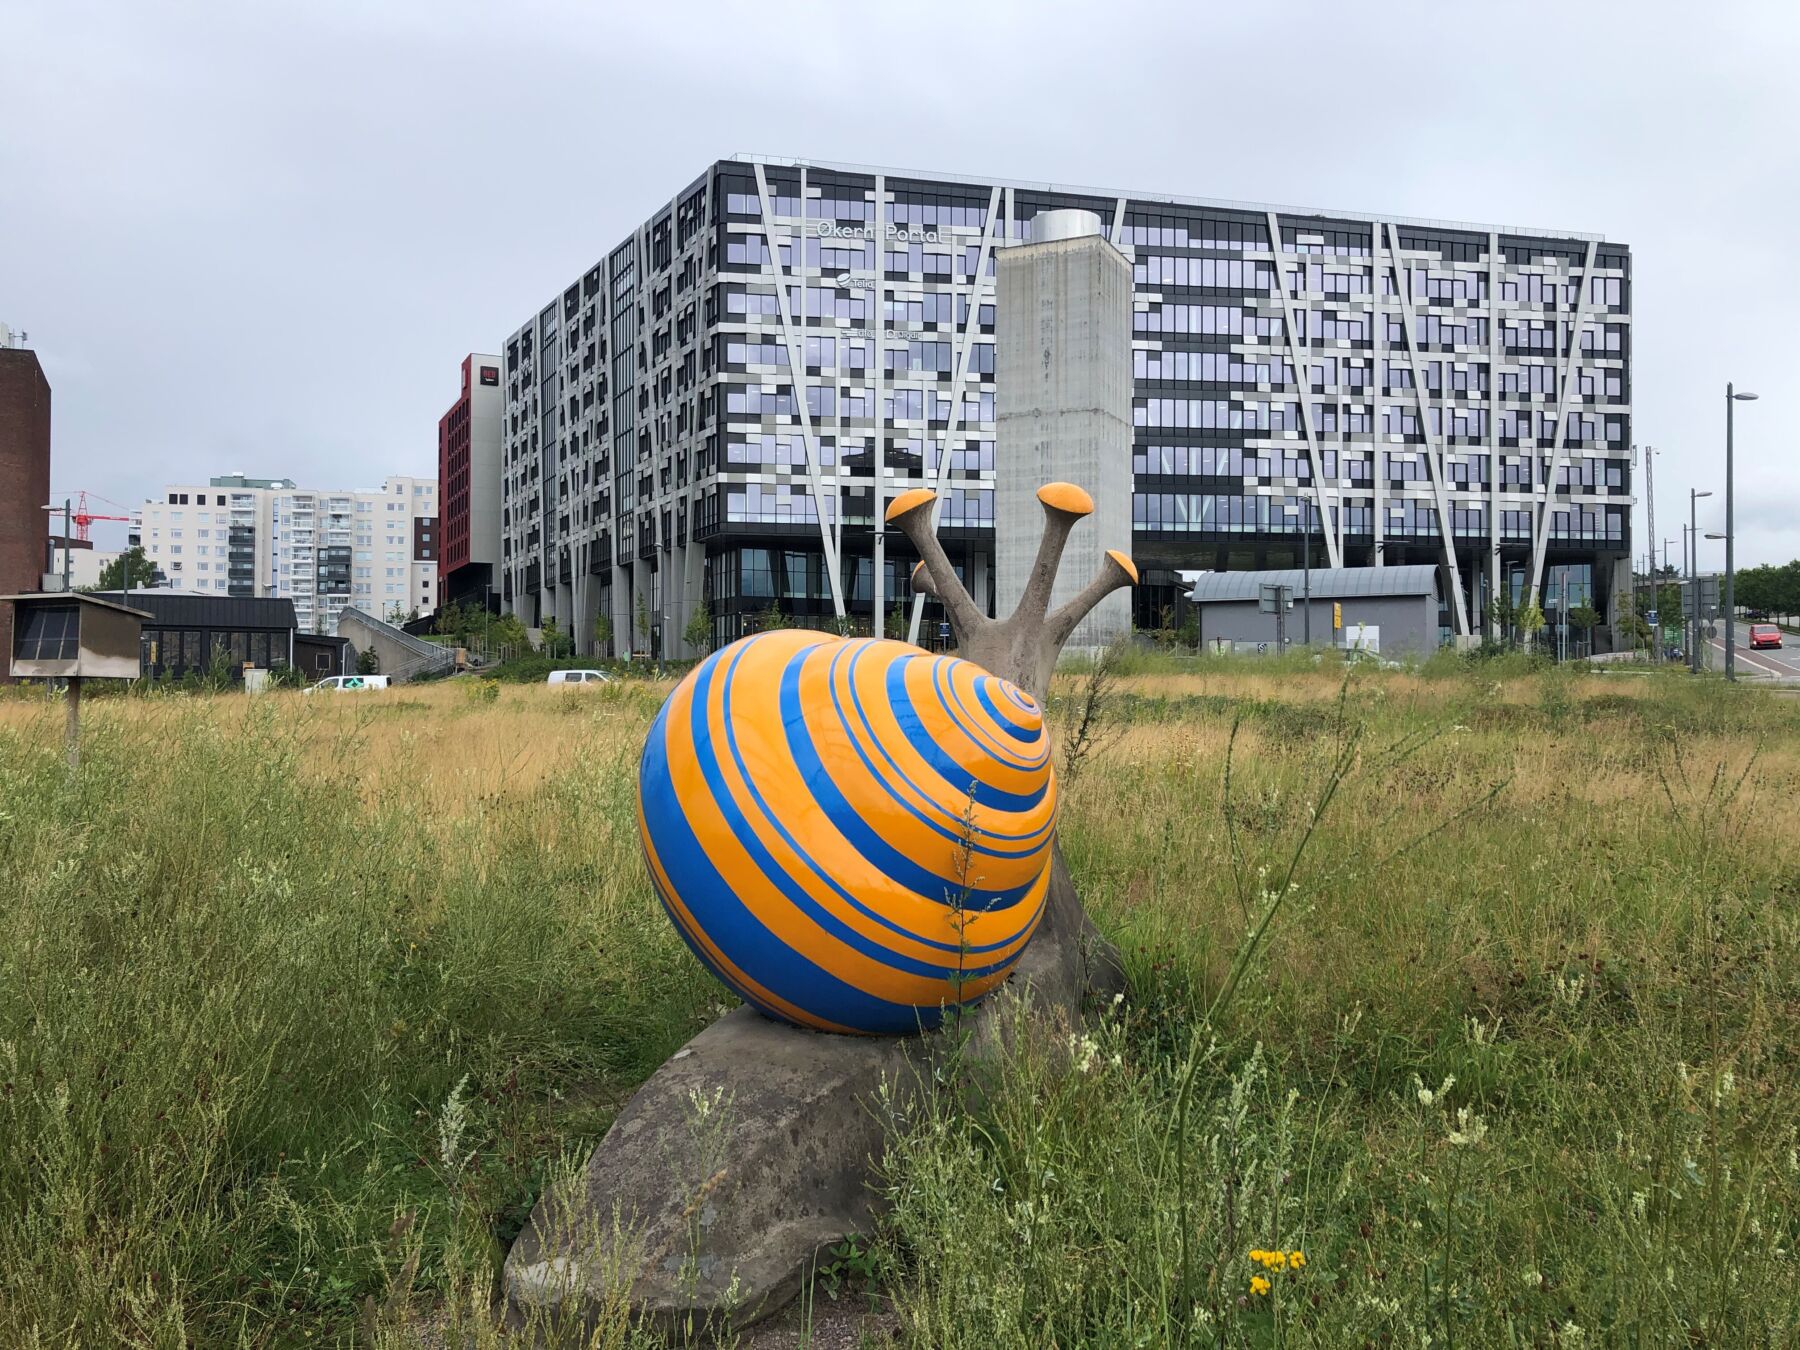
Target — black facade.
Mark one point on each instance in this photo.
(189, 634)
(722, 405)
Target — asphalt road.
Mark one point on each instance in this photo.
(1777, 663)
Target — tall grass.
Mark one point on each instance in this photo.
(1513, 1067)
(303, 1001)
(247, 959)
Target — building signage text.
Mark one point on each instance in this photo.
(914, 234)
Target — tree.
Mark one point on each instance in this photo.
(698, 633)
(642, 641)
(603, 634)
(556, 642)
(1584, 619)
(508, 630)
(367, 662)
(1505, 613)
(130, 565)
(454, 620)
(772, 618)
(1528, 618)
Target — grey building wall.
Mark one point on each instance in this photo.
(1063, 410)
(1408, 624)
(487, 414)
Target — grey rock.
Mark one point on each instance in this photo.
(753, 1151)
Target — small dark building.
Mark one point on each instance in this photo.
(185, 634)
(319, 657)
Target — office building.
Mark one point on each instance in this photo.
(374, 548)
(24, 478)
(469, 485)
(79, 560)
(718, 410)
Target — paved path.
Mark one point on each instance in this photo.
(1778, 663)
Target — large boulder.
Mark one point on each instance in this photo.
(753, 1151)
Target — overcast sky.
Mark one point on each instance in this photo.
(261, 238)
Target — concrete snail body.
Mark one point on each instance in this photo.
(851, 834)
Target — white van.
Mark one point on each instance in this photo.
(582, 677)
(349, 682)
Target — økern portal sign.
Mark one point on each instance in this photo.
(908, 234)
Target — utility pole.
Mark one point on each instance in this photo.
(1650, 537)
(1731, 397)
(1306, 574)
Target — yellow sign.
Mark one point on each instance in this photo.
(1337, 615)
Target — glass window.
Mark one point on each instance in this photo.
(49, 633)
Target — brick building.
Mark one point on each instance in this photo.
(24, 480)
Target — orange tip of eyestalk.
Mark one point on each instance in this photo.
(907, 502)
(1066, 497)
(1124, 562)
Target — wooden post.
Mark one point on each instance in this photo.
(72, 733)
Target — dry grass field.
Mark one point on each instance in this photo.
(1476, 986)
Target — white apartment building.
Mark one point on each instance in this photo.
(85, 563)
(327, 550)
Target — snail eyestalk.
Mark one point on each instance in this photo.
(1116, 571)
(911, 511)
(921, 580)
(1064, 504)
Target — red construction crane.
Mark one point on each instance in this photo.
(84, 517)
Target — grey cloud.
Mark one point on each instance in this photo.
(254, 238)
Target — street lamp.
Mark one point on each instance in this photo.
(1708, 535)
(66, 508)
(1693, 622)
(1731, 397)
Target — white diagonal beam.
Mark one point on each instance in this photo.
(1434, 449)
(797, 379)
(1493, 430)
(1303, 388)
(1541, 536)
(971, 322)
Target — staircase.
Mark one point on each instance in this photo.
(402, 656)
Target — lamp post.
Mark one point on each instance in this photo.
(1690, 598)
(1306, 569)
(1731, 397)
(1709, 535)
(1693, 616)
(67, 509)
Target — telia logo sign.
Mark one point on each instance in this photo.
(845, 282)
(912, 234)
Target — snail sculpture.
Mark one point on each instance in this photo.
(854, 834)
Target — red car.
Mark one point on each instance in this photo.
(1764, 635)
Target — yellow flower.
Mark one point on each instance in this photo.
(1258, 1285)
(1296, 1259)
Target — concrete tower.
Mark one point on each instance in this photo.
(1062, 404)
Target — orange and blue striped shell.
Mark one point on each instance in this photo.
(819, 815)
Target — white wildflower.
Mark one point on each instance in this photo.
(1426, 1096)
(1470, 1128)
(452, 1121)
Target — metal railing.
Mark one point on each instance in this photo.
(425, 655)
